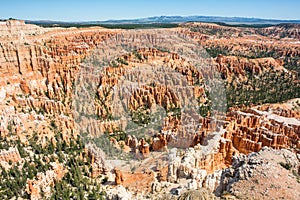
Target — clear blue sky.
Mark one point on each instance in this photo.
(75, 10)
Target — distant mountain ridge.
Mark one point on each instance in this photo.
(179, 19)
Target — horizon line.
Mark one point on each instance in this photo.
(156, 16)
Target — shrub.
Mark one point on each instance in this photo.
(287, 166)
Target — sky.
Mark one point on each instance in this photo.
(94, 10)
